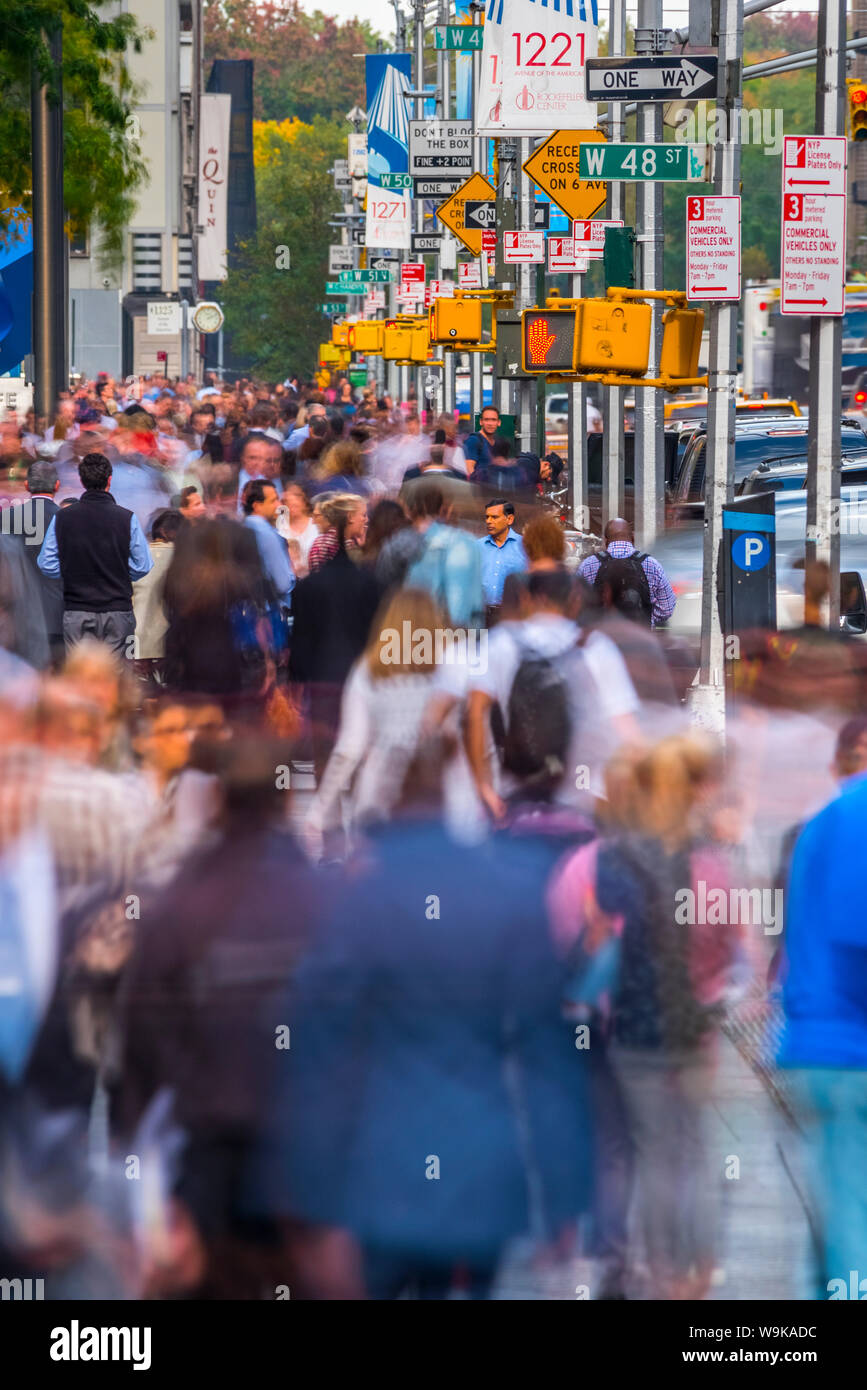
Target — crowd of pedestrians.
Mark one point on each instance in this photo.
(347, 819)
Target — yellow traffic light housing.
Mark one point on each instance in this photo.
(548, 339)
(366, 336)
(856, 91)
(613, 336)
(681, 342)
(405, 342)
(340, 334)
(456, 320)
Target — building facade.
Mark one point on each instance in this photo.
(108, 310)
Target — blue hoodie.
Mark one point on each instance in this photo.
(825, 990)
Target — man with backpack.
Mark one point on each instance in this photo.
(555, 702)
(637, 581)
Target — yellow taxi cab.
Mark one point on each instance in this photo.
(675, 412)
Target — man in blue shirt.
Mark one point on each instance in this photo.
(825, 1039)
(260, 504)
(502, 550)
(97, 550)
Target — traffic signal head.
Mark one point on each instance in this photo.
(857, 92)
(548, 340)
(405, 342)
(366, 336)
(456, 321)
(340, 334)
(613, 336)
(681, 342)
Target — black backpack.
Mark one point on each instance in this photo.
(629, 583)
(536, 739)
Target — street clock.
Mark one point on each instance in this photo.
(208, 317)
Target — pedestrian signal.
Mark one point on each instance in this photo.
(340, 334)
(856, 88)
(548, 340)
(613, 336)
(456, 320)
(405, 343)
(681, 342)
(366, 336)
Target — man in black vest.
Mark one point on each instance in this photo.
(97, 549)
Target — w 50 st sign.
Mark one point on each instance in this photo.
(533, 60)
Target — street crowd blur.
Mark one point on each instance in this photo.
(368, 900)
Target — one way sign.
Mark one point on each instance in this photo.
(650, 79)
(482, 214)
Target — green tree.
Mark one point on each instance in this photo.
(271, 311)
(305, 64)
(102, 166)
(786, 103)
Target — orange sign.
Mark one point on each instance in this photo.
(554, 167)
(476, 189)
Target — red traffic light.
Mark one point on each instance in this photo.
(859, 95)
(860, 397)
(548, 340)
(763, 306)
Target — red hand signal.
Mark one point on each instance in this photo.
(539, 340)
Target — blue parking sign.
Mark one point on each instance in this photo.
(751, 551)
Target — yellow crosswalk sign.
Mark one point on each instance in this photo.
(452, 213)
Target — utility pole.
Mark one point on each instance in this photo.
(612, 396)
(480, 145)
(507, 155)
(708, 697)
(823, 430)
(419, 202)
(578, 509)
(525, 297)
(50, 298)
(649, 475)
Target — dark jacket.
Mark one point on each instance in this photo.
(36, 515)
(333, 609)
(414, 1018)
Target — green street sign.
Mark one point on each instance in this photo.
(358, 376)
(365, 277)
(336, 307)
(396, 180)
(332, 287)
(643, 163)
(465, 37)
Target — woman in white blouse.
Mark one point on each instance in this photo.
(295, 523)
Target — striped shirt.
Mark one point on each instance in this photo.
(662, 595)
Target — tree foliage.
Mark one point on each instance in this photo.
(787, 104)
(102, 166)
(305, 63)
(272, 312)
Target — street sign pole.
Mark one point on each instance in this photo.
(525, 297)
(419, 6)
(823, 431)
(649, 480)
(477, 359)
(507, 155)
(447, 401)
(708, 696)
(578, 509)
(612, 396)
